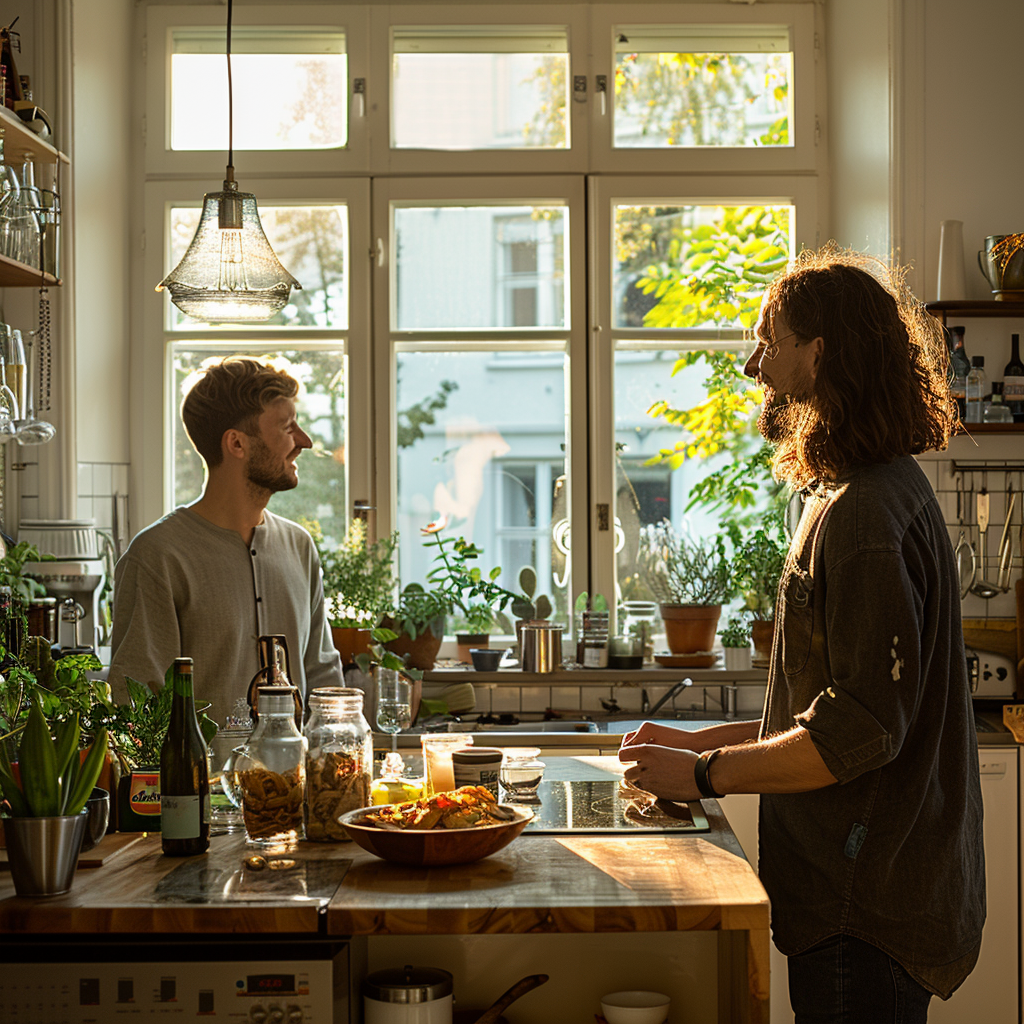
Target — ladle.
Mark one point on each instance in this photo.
(983, 588)
(964, 549)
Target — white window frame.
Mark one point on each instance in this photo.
(152, 376)
(605, 193)
(804, 156)
(567, 190)
(160, 159)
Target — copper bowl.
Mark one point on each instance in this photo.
(434, 847)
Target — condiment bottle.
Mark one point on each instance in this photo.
(271, 771)
(976, 390)
(394, 786)
(339, 761)
(184, 773)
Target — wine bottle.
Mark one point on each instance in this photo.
(184, 773)
(1013, 381)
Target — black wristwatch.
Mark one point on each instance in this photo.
(700, 773)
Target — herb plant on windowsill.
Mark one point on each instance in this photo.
(691, 579)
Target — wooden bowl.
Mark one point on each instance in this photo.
(434, 847)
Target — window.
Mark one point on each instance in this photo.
(516, 228)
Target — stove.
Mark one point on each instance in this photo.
(609, 807)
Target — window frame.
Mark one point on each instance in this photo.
(152, 376)
(160, 159)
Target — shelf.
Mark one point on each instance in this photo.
(19, 141)
(980, 308)
(992, 428)
(19, 275)
(655, 676)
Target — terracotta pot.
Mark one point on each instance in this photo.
(422, 651)
(350, 641)
(466, 641)
(690, 627)
(762, 633)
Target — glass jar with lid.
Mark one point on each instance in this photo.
(271, 771)
(339, 760)
(521, 773)
(642, 621)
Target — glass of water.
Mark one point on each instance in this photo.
(394, 704)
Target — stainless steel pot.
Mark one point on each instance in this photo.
(541, 647)
(408, 995)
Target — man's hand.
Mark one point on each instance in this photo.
(666, 772)
(662, 735)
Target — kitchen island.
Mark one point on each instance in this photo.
(634, 892)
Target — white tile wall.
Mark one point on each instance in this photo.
(98, 482)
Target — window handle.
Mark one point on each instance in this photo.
(602, 91)
(359, 96)
(377, 252)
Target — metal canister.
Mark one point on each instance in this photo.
(408, 995)
(541, 647)
(42, 618)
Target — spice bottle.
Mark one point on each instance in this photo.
(339, 761)
(271, 771)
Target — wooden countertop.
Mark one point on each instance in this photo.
(572, 883)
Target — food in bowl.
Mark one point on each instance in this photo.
(635, 1007)
(428, 833)
(466, 807)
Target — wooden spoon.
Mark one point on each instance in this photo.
(520, 988)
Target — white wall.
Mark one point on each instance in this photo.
(103, 186)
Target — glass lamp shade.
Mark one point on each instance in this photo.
(230, 271)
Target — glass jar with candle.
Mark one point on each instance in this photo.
(438, 773)
(339, 761)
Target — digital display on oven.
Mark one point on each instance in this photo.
(270, 984)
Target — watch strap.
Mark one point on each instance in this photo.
(700, 773)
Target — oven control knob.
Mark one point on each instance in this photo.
(295, 1014)
(276, 1015)
(258, 1015)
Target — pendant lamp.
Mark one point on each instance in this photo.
(229, 271)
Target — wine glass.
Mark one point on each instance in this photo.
(30, 429)
(394, 704)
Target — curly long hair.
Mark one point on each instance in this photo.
(882, 388)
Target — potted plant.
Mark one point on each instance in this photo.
(474, 596)
(526, 608)
(736, 644)
(691, 579)
(758, 560)
(359, 586)
(418, 622)
(45, 795)
(377, 656)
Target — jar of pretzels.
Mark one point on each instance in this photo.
(271, 771)
(339, 761)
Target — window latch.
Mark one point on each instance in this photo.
(579, 88)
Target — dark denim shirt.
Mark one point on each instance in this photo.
(869, 658)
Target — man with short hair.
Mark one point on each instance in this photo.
(208, 578)
(870, 831)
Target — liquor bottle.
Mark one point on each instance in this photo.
(1013, 381)
(976, 388)
(960, 367)
(184, 773)
(996, 410)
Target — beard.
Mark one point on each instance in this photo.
(265, 472)
(783, 413)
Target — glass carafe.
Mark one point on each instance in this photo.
(339, 761)
(271, 772)
(30, 429)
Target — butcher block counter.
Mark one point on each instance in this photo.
(540, 885)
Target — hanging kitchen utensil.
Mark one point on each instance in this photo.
(1006, 544)
(983, 588)
(964, 550)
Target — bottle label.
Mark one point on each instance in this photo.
(144, 795)
(1013, 389)
(180, 816)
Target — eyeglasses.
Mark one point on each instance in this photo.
(771, 349)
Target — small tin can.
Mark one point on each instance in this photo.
(477, 766)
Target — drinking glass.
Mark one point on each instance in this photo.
(394, 704)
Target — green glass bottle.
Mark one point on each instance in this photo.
(184, 773)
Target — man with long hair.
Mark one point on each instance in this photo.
(208, 578)
(870, 831)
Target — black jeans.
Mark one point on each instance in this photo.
(847, 981)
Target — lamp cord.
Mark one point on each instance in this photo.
(231, 105)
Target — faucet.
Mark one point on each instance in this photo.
(673, 691)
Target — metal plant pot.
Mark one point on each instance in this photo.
(43, 852)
